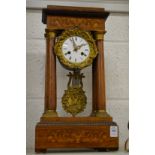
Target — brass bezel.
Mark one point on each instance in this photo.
(83, 34)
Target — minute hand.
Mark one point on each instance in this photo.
(74, 44)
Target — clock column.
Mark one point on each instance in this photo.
(50, 76)
(99, 96)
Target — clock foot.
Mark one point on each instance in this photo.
(106, 149)
(40, 150)
(100, 149)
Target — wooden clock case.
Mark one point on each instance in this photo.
(75, 132)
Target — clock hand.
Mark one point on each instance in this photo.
(74, 44)
(78, 47)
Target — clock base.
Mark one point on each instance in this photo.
(81, 132)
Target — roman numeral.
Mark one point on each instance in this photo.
(83, 54)
(68, 53)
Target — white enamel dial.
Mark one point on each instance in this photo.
(75, 49)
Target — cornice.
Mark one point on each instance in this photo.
(109, 5)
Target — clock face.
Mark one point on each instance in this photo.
(75, 49)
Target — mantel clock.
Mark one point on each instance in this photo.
(75, 36)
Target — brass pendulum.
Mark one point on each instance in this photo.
(74, 99)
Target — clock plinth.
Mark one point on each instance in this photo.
(97, 131)
(76, 132)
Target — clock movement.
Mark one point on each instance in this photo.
(75, 36)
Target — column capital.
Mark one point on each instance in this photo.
(50, 33)
(99, 35)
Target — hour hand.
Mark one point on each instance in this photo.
(78, 47)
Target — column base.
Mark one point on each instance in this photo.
(50, 113)
(100, 113)
(93, 114)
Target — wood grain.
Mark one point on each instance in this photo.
(77, 119)
(50, 76)
(63, 22)
(73, 12)
(98, 73)
(62, 135)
